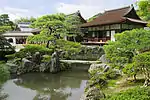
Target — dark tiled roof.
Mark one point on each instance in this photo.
(111, 17)
(35, 30)
(78, 14)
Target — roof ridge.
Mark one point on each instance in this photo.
(118, 9)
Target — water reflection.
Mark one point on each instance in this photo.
(63, 86)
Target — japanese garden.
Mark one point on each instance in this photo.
(66, 57)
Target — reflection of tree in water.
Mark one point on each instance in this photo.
(57, 86)
(53, 96)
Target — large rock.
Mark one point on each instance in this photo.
(55, 63)
(93, 94)
(97, 67)
(26, 63)
(36, 58)
(103, 59)
(26, 66)
(12, 68)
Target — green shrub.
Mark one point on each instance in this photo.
(68, 45)
(46, 58)
(4, 73)
(111, 74)
(31, 49)
(137, 93)
(10, 57)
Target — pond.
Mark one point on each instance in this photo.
(37, 86)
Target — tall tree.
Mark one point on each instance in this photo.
(5, 23)
(127, 45)
(73, 22)
(26, 19)
(144, 10)
(51, 26)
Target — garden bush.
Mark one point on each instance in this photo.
(31, 49)
(138, 93)
(4, 73)
(10, 57)
(46, 58)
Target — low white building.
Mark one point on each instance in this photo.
(18, 38)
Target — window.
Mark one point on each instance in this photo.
(10, 40)
(108, 33)
(93, 35)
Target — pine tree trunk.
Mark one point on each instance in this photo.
(134, 77)
(147, 78)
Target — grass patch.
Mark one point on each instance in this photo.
(122, 84)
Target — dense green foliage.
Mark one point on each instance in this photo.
(144, 10)
(22, 19)
(128, 45)
(69, 48)
(56, 25)
(31, 49)
(5, 48)
(4, 73)
(5, 23)
(141, 63)
(73, 22)
(137, 93)
(53, 29)
(67, 45)
(51, 24)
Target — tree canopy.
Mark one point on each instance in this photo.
(26, 19)
(144, 10)
(49, 25)
(5, 23)
(128, 45)
(56, 24)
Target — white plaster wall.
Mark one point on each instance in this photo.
(112, 35)
(14, 40)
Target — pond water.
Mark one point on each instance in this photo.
(37, 86)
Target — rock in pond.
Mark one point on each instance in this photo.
(98, 67)
(55, 63)
(36, 58)
(13, 68)
(27, 63)
(103, 59)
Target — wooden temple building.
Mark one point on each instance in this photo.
(104, 27)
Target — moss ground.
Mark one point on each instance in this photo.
(123, 83)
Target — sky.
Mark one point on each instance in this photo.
(37, 8)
